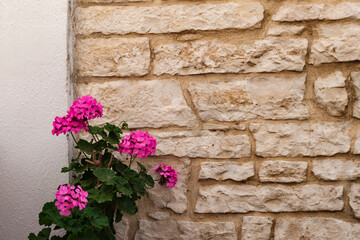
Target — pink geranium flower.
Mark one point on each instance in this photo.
(69, 197)
(168, 175)
(138, 143)
(82, 110)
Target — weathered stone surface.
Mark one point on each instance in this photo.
(159, 215)
(122, 229)
(357, 144)
(306, 139)
(283, 30)
(214, 126)
(171, 230)
(316, 229)
(310, 11)
(120, 57)
(252, 97)
(241, 127)
(336, 169)
(283, 171)
(155, 103)
(256, 228)
(173, 198)
(354, 199)
(198, 57)
(278, 198)
(227, 170)
(336, 43)
(166, 19)
(355, 79)
(330, 93)
(202, 144)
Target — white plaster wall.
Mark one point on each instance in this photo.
(33, 90)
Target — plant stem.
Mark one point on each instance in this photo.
(73, 137)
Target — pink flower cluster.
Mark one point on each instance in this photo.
(82, 110)
(69, 197)
(139, 143)
(168, 175)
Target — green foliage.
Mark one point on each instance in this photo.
(113, 189)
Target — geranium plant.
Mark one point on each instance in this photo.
(103, 187)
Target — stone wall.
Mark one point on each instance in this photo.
(255, 103)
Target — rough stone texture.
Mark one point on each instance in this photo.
(213, 126)
(166, 19)
(354, 199)
(202, 144)
(277, 198)
(227, 170)
(256, 228)
(283, 171)
(171, 230)
(198, 57)
(155, 103)
(316, 229)
(241, 127)
(336, 43)
(112, 57)
(159, 215)
(122, 229)
(252, 97)
(355, 80)
(331, 93)
(173, 198)
(336, 169)
(306, 139)
(301, 12)
(283, 30)
(357, 144)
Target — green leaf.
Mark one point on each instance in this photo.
(97, 218)
(141, 167)
(114, 138)
(119, 167)
(123, 186)
(109, 234)
(44, 234)
(95, 130)
(44, 218)
(100, 196)
(118, 217)
(127, 205)
(138, 185)
(147, 179)
(105, 175)
(85, 235)
(85, 146)
(110, 127)
(129, 173)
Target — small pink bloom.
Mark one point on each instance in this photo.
(167, 174)
(69, 197)
(139, 143)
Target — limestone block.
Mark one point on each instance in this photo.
(336, 169)
(256, 228)
(182, 230)
(354, 199)
(167, 19)
(227, 170)
(121, 57)
(355, 80)
(316, 228)
(330, 93)
(173, 198)
(336, 43)
(276, 198)
(313, 11)
(306, 139)
(122, 229)
(202, 144)
(159, 215)
(284, 30)
(199, 57)
(251, 97)
(283, 171)
(156, 103)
